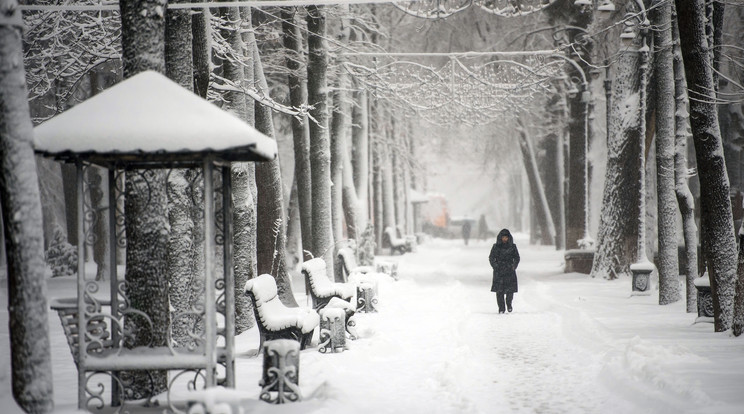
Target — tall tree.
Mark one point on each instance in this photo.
(185, 267)
(685, 200)
(271, 219)
(617, 239)
(292, 39)
(669, 291)
(360, 151)
(337, 137)
(245, 193)
(715, 205)
(320, 156)
(143, 47)
(737, 327)
(31, 363)
(200, 28)
(237, 71)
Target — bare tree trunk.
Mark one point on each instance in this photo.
(377, 196)
(360, 152)
(396, 162)
(715, 206)
(234, 69)
(201, 50)
(685, 199)
(30, 358)
(337, 136)
(538, 192)
(738, 324)
(271, 222)
(350, 201)
(388, 199)
(320, 156)
(669, 291)
(184, 277)
(617, 245)
(292, 39)
(294, 231)
(146, 206)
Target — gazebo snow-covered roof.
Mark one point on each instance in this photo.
(149, 120)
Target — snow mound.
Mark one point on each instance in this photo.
(646, 365)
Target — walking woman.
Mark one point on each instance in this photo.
(504, 259)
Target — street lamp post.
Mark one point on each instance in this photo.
(642, 268)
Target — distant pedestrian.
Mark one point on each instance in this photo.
(466, 231)
(504, 259)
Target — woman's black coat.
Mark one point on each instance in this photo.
(504, 259)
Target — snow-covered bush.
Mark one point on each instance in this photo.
(61, 256)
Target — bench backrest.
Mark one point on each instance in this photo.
(262, 287)
(348, 259)
(315, 271)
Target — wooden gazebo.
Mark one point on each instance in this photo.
(147, 123)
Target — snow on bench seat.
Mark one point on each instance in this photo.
(274, 319)
(396, 244)
(349, 263)
(320, 286)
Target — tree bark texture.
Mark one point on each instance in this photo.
(685, 200)
(337, 136)
(31, 364)
(617, 238)
(143, 48)
(147, 271)
(320, 151)
(377, 197)
(292, 39)
(737, 327)
(360, 151)
(386, 169)
(669, 291)
(245, 194)
(397, 169)
(185, 275)
(714, 185)
(294, 231)
(201, 50)
(351, 203)
(271, 216)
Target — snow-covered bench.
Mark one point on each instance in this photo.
(67, 310)
(325, 293)
(276, 321)
(320, 288)
(396, 243)
(349, 266)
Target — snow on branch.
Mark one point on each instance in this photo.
(472, 89)
(439, 9)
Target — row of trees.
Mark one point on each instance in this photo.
(353, 157)
(346, 175)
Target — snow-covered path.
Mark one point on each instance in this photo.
(519, 362)
(439, 345)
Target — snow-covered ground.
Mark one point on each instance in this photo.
(438, 345)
